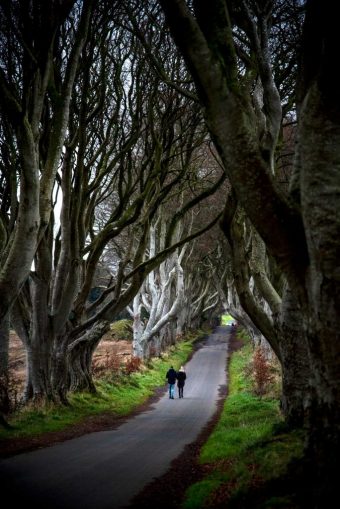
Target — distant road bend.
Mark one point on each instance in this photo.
(105, 470)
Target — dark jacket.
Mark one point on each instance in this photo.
(171, 376)
(181, 376)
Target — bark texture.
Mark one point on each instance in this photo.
(301, 236)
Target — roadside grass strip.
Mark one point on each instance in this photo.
(246, 447)
(119, 395)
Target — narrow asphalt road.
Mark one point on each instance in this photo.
(105, 470)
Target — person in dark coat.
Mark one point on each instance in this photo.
(181, 377)
(171, 377)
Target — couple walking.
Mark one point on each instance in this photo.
(172, 376)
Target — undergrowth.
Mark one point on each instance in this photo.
(248, 447)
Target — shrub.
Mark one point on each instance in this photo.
(133, 365)
(263, 377)
(112, 364)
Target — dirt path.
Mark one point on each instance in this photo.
(107, 469)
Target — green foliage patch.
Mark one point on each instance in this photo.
(227, 319)
(121, 329)
(244, 448)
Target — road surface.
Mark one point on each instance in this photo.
(105, 470)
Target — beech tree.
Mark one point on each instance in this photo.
(251, 286)
(175, 295)
(202, 296)
(31, 40)
(161, 295)
(127, 147)
(301, 231)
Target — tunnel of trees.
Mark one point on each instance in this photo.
(182, 157)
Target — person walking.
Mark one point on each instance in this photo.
(181, 377)
(171, 377)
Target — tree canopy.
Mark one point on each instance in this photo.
(182, 157)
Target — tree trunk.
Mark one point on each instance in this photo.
(80, 353)
(297, 392)
(39, 363)
(137, 327)
(5, 403)
(319, 156)
(4, 345)
(80, 376)
(303, 237)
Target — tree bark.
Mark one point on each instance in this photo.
(4, 345)
(79, 354)
(303, 236)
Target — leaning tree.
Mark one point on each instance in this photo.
(301, 230)
(33, 35)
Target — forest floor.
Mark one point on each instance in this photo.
(166, 491)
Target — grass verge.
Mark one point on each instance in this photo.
(117, 395)
(248, 450)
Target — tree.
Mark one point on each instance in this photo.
(301, 231)
(161, 295)
(177, 294)
(31, 38)
(127, 148)
(28, 44)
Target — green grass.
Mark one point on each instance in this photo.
(227, 319)
(243, 450)
(244, 446)
(118, 395)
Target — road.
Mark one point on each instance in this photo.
(105, 470)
